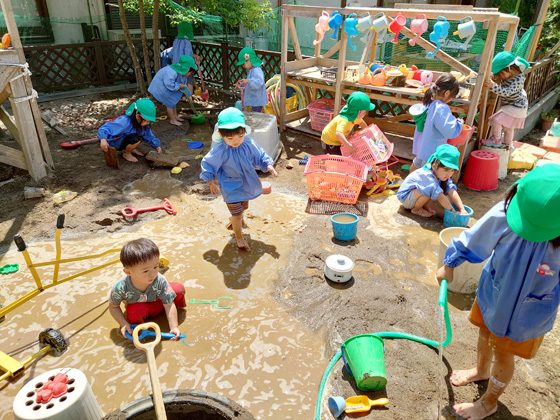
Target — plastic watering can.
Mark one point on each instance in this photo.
(380, 25)
(396, 25)
(379, 77)
(418, 26)
(334, 23)
(351, 28)
(365, 24)
(365, 78)
(466, 29)
(440, 32)
(322, 26)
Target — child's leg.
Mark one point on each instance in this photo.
(179, 290)
(421, 207)
(137, 313)
(172, 117)
(508, 135)
(496, 138)
(236, 210)
(129, 145)
(483, 363)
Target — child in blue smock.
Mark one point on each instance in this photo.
(232, 161)
(127, 131)
(255, 87)
(439, 124)
(518, 292)
(432, 182)
(182, 46)
(167, 88)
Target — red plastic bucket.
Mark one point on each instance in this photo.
(465, 134)
(482, 171)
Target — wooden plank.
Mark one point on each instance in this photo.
(296, 115)
(283, 61)
(542, 6)
(327, 62)
(332, 50)
(301, 64)
(400, 6)
(311, 84)
(373, 52)
(340, 72)
(12, 157)
(395, 127)
(295, 41)
(41, 132)
(6, 74)
(12, 29)
(9, 123)
(511, 37)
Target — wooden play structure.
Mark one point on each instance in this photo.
(26, 126)
(309, 71)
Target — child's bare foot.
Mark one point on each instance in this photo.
(137, 152)
(242, 243)
(429, 210)
(175, 122)
(129, 157)
(181, 119)
(475, 411)
(463, 377)
(421, 212)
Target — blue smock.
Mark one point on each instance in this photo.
(440, 126)
(165, 87)
(426, 182)
(255, 91)
(182, 47)
(166, 57)
(235, 169)
(115, 131)
(518, 292)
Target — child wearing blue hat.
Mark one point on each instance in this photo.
(518, 294)
(233, 161)
(167, 88)
(433, 182)
(126, 132)
(255, 88)
(509, 85)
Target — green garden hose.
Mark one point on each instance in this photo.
(442, 302)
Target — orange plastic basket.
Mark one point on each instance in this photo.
(335, 178)
(372, 147)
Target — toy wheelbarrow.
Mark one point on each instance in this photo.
(214, 302)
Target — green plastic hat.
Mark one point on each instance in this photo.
(447, 155)
(419, 113)
(185, 31)
(145, 108)
(507, 58)
(533, 210)
(248, 54)
(357, 102)
(231, 118)
(186, 62)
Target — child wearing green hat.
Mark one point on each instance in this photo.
(167, 87)
(182, 46)
(233, 160)
(518, 292)
(508, 84)
(335, 133)
(125, 132)
(255, 88)
(433, 182)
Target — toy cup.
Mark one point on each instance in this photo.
(334, 22)
(322, 26)
(351, 28)
(440, 32)
(418, 26)
(365, 23)
(426, 77)
(466, 29)
(380, 24)
(396, 25)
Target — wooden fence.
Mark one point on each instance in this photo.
(540, 79)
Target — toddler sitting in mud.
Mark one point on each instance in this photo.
(232, 160)
(433, 182)
(145, 292)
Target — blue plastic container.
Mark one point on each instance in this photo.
(345, 226)
(451, 219)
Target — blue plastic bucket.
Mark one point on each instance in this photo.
(451, 219)
(345, 226)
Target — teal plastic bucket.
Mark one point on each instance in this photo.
(451, 219)
(364, 358)
(345, 226)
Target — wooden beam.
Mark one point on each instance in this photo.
(7, 73)
(295, 40)
(283, 61)
(12, 29)
(41, 132)
(331, 50)
(542, 7)
(12, 157)
(9, 123)
(340, 72)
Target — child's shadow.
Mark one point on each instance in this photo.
(236, 265)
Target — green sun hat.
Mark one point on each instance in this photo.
(145, 108)
(186, 62)
(533, 211)
(231, 118)
(248, 54)
(507, 58)
(357, 102)
(419, 113)
(185, 31)
(448, 156)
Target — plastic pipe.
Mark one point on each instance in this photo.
(442, 301)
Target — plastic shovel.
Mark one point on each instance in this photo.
(197, 118)
(362, 403)
(77, 143)
(204, 95)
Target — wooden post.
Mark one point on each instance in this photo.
(340, 73)
(542, 8)
(283, 61)
(226, 83)
(100, 62)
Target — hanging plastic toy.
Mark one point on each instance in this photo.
(380, 25)
(322, 26)
(418, 26)
(334, 23)
(396, 25)
(440, 32)
(365, 24)
(466, 29)
(351, 28)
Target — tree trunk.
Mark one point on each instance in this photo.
(155, 31)
(147, 65)
(135, 62)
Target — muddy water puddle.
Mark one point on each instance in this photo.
(255, 353)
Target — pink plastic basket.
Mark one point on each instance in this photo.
(335, 178)
(372, 147)
(321, 112)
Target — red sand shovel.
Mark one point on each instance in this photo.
(204, 95)
(77, 143)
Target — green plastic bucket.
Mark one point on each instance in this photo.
(364, 358)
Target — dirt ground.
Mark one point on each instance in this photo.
(393, 287)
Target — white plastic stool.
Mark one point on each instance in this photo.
(504, 159)
(78, 403)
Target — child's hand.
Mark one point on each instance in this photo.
(488, 84)
(126, 329)
(351, 148)
(196, 57)
(272, 170)
(463, 211)
(176, 332)
(444, 272)
(214, 186)
(245, 81)
(181, 86)
(158, 149)
(104, 145)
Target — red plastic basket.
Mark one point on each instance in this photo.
(335, 178)
(321, 112)
(372, 147)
